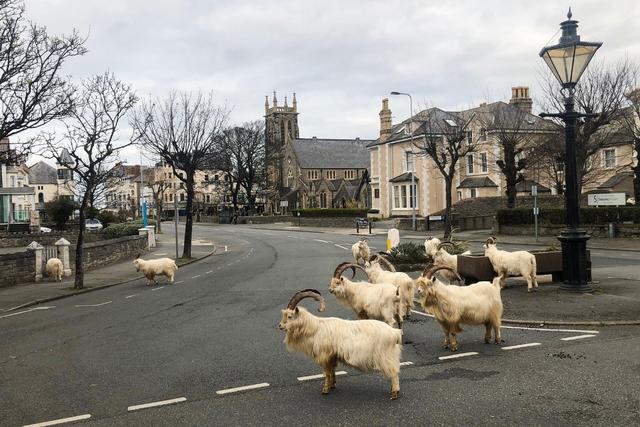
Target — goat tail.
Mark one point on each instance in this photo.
(534, 265)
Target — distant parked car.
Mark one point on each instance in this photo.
(45, 230)
(93, 225)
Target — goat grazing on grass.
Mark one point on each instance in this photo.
(362, 344)
(476, 304)
(517, 263)
(379, 301)
(156, 267)
(55, 269)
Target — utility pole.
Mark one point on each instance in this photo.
(175, 216)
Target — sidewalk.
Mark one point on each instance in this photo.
(30, 294)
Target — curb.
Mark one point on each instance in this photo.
(97, 288)
(572, 322)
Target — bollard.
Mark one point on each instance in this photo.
(612, 230)
(393, 238)
(37, 248)
(63, 255)
(370, 226)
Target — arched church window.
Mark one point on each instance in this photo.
(290, 129)
(282, 130)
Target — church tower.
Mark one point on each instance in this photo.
(281, 126)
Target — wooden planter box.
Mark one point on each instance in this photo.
(474, 268)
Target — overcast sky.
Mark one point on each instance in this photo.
(340, 57)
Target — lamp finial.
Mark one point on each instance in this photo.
(569, 14)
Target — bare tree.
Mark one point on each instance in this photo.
(547, 158)
(631, 128)
(600, 94)
(444, 140)
(183, 130)
(91, 143)
(158, 189)
(32, 92)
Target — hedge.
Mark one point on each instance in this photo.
(333, 213)
(588, 215)
(124, 229)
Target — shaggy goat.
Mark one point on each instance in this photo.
(476, 304)
(360, 251)
(431, 246)
(442, 258)
(55, 269)
(156, 267)
(518, 263)
(402, 280)
(362, 344)
(379, 301)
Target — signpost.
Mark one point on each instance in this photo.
(607, 199)
(536, 210)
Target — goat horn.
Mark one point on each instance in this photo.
(307, 293)
(427, 267)
(364, 239)
(491, 241)
(342, 267)
(387, 263)
(447, 244)
(138, 256)
(429, 273)
(430, 238)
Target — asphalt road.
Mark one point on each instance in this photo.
(104, 353)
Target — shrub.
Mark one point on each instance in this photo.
(107, 218)
(588, 215)
(330, 213)
(408, 252)
(60, 210)
(124, 229)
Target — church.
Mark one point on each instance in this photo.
(311, 172)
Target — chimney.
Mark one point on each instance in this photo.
(385, 120)
(520, 98)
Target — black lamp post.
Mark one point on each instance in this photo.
(567, 60)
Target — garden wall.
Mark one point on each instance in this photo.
(18, 267)
(105, 252)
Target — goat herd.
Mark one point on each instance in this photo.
(383, 301)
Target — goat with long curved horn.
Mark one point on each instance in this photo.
(382, 260)
(429, 272)
(449, 245)
(346, 265)
(306, 293)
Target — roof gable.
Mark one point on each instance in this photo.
(43, 173)
(316, 153)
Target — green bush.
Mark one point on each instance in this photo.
(60, 210)
(107, 218)
(408, 252)
(555, 216)
(330, 213)
(125, 229)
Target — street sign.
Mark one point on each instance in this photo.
(536, 211)
(436, 218)
(607, 199)
(534, 190)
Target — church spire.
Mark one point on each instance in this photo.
(285, 101)
(295, 103)
(266, 103)
(275, 100)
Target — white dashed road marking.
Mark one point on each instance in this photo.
(157, 289)
(243, 388)
(319, 376)
(513, 347)
(322, 241)
(340, 246)
(154, 404)
(28, 311)
(422, 314)
(196, 276)
(61, 421)
(181, 281)
(209, 272)
(457, 356)
(94, 305)
(406, 363)
(577, 337)
(130, 296)
(550, 330)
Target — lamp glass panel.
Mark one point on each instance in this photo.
(583, 56)
(569, 62)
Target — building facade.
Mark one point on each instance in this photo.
(311, 172)
(17, 198)
(50, 183)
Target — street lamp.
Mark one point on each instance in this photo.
(567, 60)
(414, 197)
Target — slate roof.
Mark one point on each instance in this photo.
(616, 179)
(403, 177)
(17, 190)
(43, 173)
(477, 182)
(316, 153)
(65, 158)
(525, 187)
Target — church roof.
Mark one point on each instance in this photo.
(43, 173)
(316, 153)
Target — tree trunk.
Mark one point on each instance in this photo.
(159, 217)
(511, 190)
(188, 227)
(636, 175)
(79, 278)
(448, 182)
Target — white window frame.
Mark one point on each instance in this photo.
(330, 174)
(402, 196)
(312, 175)
(484, 162)
(470, 166)
(604, 158)
(350, 174)
(409, 155)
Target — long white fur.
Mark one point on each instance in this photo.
(156, 267)
(55, 269)
(431, 246)
(360, 251)
(517, 263)
(378, 301)
(476, 304)
(402, 280)
(363, 344)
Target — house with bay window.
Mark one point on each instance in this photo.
(17, 198)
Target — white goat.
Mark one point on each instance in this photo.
(431, 246)
(442, 258)
(360, 251)
(402, 280)
(55, 269)
(156, 267)
(363, 344)
(476, 304)
(517, 263)
(380, 301)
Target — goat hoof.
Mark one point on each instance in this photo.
(325, 390)
(394, 395)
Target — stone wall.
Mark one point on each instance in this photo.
(18, 267)
(620, 230)
(22, 240)
(105, 252)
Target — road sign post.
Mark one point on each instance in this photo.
(536, 210)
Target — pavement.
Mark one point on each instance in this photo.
(27, 295)
(207, 351)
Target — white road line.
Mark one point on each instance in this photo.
(226, 249)
(319, 376)
(550, 330)
(340, 246)
(159, 253)
(156, 289)
(154, 404)
(577, 337)
(406, 363)
(196, 276)
(28, 311)
(422, 314)
(456, 356)
(243, 388)
(209, 272)
(513, 347)
(130, 296)
(60, 421)
(94, 305)
(181, 281)
(322, 241)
